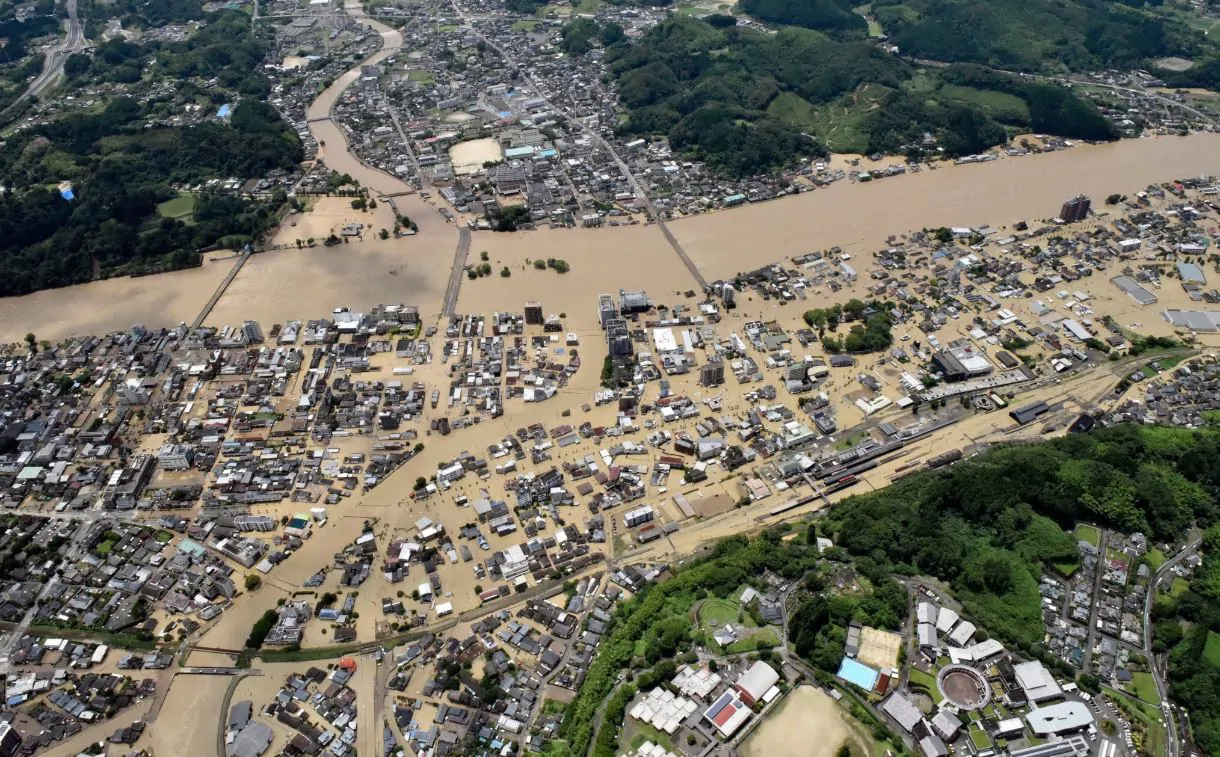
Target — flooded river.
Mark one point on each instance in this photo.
(858, 217)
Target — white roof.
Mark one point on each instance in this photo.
(962, 634)
(1036, 681)
(946, 620)
(1059, 718)
(758, 679)
(1011, 725)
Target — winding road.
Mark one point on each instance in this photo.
(1157, 666)
(56, 57)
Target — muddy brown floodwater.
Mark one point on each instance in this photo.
(287, 284)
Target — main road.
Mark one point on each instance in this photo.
(1155, 665)
(56, 57)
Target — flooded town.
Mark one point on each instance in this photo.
(388, 480)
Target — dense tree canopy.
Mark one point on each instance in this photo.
(714, 90)
(121, 170)
(989, 525)
(1034, 35)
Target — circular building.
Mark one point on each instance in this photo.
(964, 686)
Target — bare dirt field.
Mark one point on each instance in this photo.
(806, 724)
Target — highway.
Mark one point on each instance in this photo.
(1157, 665)
(56, 57)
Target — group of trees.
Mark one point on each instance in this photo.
(577, 37)
(120, 172)
(869, 333)
(1194, 674)
(1035, 35)
(712, 89)
(990, 525)
(834, 16)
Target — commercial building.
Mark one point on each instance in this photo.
(632, 302)
(638, 517)
(961, 363)
(533, 313)
(1075, 209)
(253, 332)
(727, 714)
(711, 373)
(10, 740)
(605, 309)
(904, 712)
(175, 457)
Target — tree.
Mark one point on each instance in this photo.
(505, 273)
(383, 234)
(32, 342)
(252, 582)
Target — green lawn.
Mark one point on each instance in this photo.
(763, 639)
(1091, 534)
(1145, 688)
(645, 732)
(1179, 586)
(524, 25)
(181, 207)
(420, 75)
(926, 681)
(874, 28)
(1211, 650)
(1066, 568)
(1154, 559)
(717, 613)
(104, 548)
(980, 739)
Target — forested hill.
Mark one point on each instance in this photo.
(122, 164)
(749, 102)
(1037, 35)
(987, 526)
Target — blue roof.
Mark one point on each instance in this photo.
(858, 674)
(67, 194)
(719, 705)
(225, 111)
